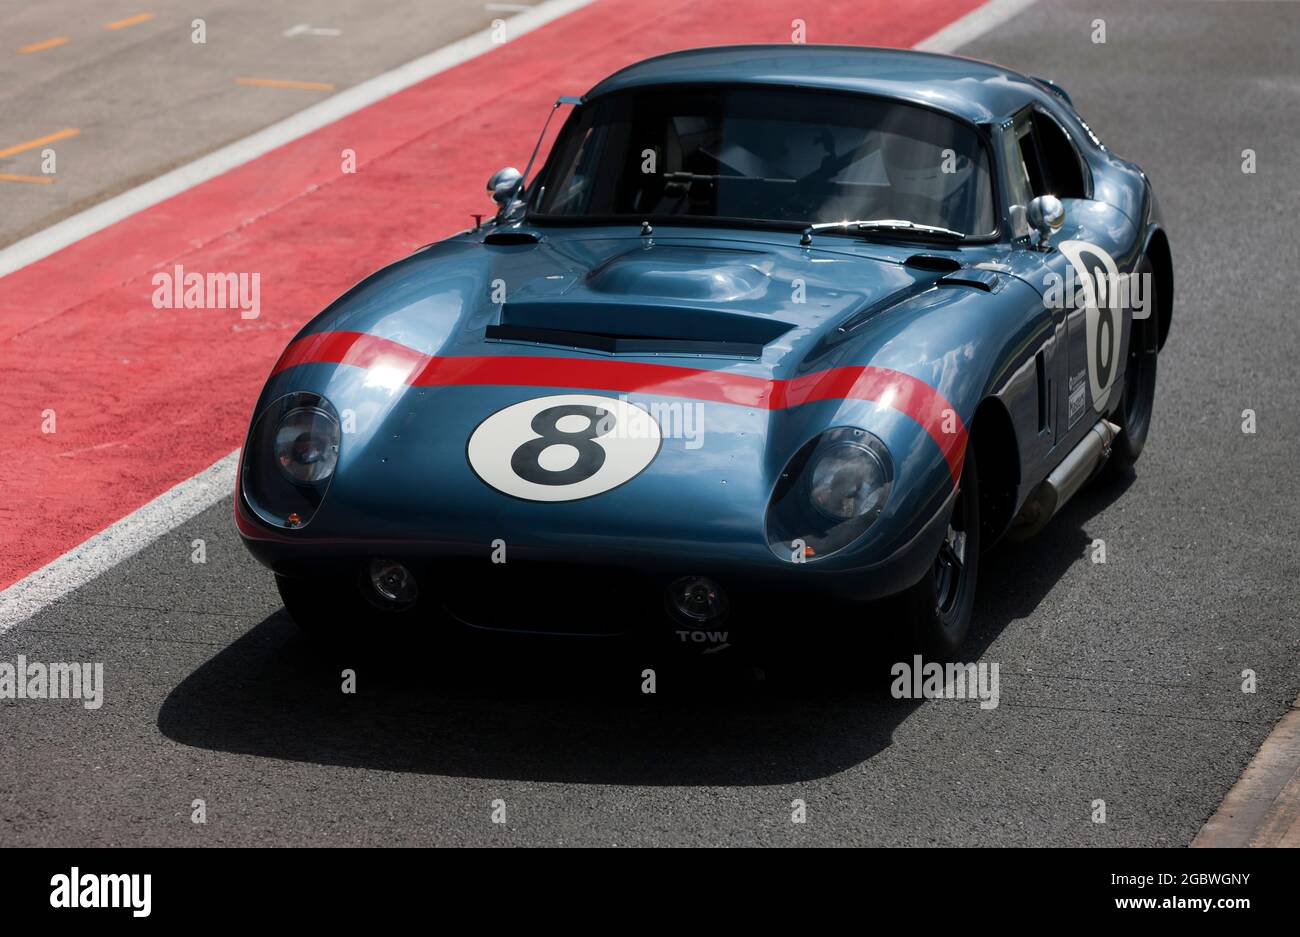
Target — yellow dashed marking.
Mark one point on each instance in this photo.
(45, 44)
(280, 83)
(39, 141)
(129, 21)
(39, 180)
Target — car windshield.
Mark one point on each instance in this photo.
(765, 154)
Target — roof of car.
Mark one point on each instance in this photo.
(976, 91)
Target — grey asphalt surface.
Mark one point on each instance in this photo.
(1119, 682)
(146, 98)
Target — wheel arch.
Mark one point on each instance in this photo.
(1162, 266)
(993, 438)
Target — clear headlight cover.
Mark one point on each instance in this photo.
(290, 458)
(848, 480)
(307, 445)
(832, 490)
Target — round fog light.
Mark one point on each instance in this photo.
(393, 582)
(697, 599)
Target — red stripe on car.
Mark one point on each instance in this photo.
(883, 386)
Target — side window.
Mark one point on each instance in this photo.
(1060, 160)
(1029, 154)
(1016, 178)
(570, 190)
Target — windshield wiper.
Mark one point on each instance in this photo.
(716, 177)
(884, 226)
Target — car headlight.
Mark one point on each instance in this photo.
(289, 459)
(307, 445)
(831, 491)
(848, 480)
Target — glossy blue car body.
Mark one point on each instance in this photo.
(964, 328)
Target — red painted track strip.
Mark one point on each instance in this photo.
(144, 397)
(887, 387)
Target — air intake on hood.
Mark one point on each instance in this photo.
(979, 279)
(636, 328)
(936, 262)
(511, 237)
(621, 344)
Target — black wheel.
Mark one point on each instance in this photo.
(940, 605)
(1139, 389)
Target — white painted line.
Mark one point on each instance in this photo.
(302, 29)
(973, 25)
(114, 544)
(70, 230)
(174, 507)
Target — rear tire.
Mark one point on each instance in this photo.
(1134, 413)
(940, 606)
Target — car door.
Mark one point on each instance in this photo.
(1077, 276)
(1033, 397)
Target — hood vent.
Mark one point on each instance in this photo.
(636, 328)
(622, 344)
(936, 263)
(975, 277)
(955, 273)
(511, 237)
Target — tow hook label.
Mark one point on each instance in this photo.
(717, 640)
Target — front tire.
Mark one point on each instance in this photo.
(940, 606)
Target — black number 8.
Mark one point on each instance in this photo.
(591, 455)
(1104, 352)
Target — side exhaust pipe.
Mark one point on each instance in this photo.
(1065, 481)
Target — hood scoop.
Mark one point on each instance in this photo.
(622, 344)
(635, 328)
(712, 274)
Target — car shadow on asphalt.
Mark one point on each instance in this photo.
(553, 711)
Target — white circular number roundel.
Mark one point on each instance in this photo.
(563, 447)
(1103, 315)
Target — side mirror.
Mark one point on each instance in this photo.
(1046, 214)
(504, 185)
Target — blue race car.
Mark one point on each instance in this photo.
(797, 321)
